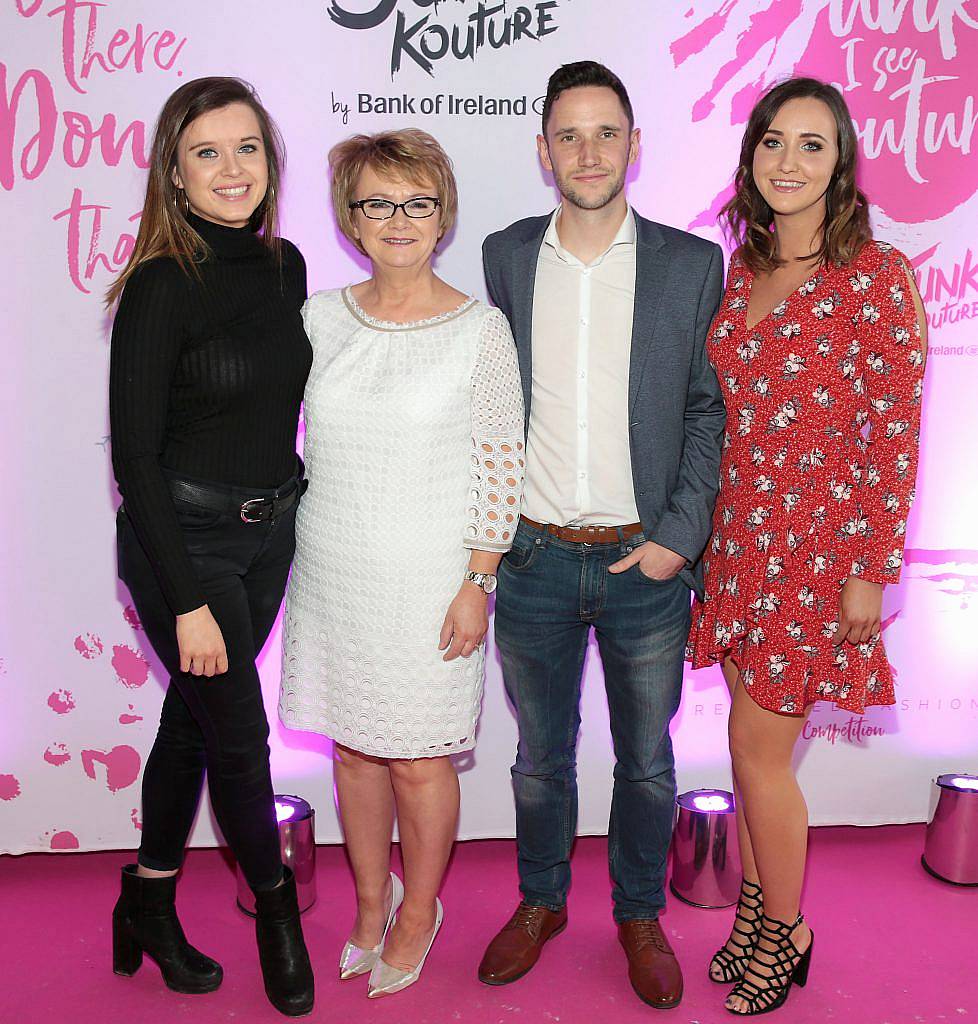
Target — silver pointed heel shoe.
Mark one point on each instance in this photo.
(386, 980)
(355, 961)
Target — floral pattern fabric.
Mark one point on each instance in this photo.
(823, 403)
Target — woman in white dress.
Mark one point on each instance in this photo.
(414, 450)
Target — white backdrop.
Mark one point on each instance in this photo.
(80, 86)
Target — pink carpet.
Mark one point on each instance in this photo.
(892, 944)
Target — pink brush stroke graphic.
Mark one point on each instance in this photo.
(956, 584)
(121, 763)
(9, 787)
(697, 39)
(130, 666)
(132, 617)
(64, 841)
(890, 619)
(127, 717)
(708, 217)
(765, 27)
(938, 556)
(57, 754)
(61, 702)
(137, 822)
(906, 73)
(89, 646)
(915, 122)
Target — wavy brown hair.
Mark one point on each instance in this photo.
(749, 219)
(164, 229)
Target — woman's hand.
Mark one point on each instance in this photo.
(201, 643)
(466, 622)
(860, 611)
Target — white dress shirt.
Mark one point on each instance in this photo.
(578, 464)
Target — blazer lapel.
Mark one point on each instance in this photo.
(524, 278)
(651, 268)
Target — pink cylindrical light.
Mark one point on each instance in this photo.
(951, 840)
(284, 811)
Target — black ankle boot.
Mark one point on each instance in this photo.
(145, 921)
(282, 950)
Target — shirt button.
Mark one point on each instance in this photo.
(583, 374)
(583, 424)
(584, 321)
(583, 476)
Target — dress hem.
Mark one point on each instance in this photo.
(437, 751)
(715, 656)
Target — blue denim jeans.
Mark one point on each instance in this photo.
(551, 593)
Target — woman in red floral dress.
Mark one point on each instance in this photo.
(820, 355)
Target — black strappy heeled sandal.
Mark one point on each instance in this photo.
(746, 929)
(785, 965)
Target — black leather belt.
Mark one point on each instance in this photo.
(232, 501)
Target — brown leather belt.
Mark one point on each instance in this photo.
(586, 534)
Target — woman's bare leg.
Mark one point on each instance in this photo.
(366, 799)
(735, 943)
(731, 675)
(427, 795)
(776, 816)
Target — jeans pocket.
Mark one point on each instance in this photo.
(521, 556)
(650, 579)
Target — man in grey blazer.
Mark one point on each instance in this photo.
(624, 421)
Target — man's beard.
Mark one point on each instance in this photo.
(597, 202)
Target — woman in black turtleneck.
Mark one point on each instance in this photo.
(209, 361)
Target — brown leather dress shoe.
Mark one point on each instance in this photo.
(517, 947)
(653, 969)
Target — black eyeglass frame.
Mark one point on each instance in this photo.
(358, 204)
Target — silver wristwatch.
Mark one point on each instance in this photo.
(485, 580)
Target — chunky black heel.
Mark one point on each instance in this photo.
(285, 966)
(145, 921)
(784, 965)
(743, 936)
(127, 954)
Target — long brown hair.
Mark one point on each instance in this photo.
(164, 229)
(748, 217)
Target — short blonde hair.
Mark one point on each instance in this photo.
(409, 154)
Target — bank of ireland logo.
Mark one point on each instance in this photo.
(424, 32)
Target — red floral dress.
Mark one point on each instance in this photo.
(809, 494)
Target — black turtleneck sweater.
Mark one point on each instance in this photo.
(206, 379)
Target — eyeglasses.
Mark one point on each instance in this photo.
(384, 209)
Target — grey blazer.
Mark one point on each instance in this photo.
(676, 414)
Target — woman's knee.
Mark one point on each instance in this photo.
(421, 771)
(756, 751)
(243, 767)
(744, 756)
(350, 761)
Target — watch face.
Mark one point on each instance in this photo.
(488, 583)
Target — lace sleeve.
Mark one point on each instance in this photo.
(498, 448)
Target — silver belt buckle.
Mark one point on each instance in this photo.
(247, 507)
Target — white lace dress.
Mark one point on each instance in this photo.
(414, 452)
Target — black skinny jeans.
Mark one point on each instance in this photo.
(215, 723)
